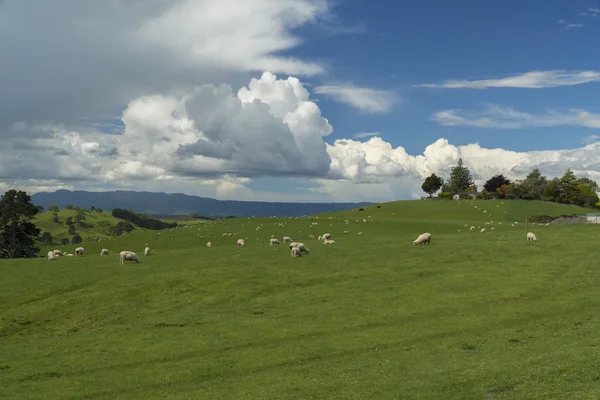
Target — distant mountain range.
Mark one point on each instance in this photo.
(174, 204)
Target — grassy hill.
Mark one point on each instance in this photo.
(96, 224)
(470, 316)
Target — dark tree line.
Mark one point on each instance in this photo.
(568, 189)
(141, 220)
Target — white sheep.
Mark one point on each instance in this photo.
(147, 251)
(129, 256)
(301, 246)
(274, 241)
(531, 237)
(241, 243)
(287, 239)
(422, 239)
(482, 230)
(51, 255)
(70, 255)
(295, 252)
(326, 236)
(58, 253)
(104, 252)
(79, 251)
(209, 244)
(328, 241)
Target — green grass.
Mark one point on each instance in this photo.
(99, 222)
(471, 316)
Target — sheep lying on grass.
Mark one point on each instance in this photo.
(531, 237)
(129, 256)
(422, 239)
(327, 241)
(274, 241)
(209, 244)
(69, 255)
(51, 255)
(57, 253)
(295, 252)
(104, 252)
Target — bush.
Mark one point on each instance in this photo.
(544, 219)
(445, 195)
(64, 241)
(76, 239)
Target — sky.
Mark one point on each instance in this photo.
(294, 100)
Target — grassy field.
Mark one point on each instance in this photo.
(471, 316)
(99, 223)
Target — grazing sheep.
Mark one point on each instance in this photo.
(241, 243)
(422, 239)
(531, 237)
(295, 252)
(301, 246)
(79, 251)
(482, 230)
(209, 244)
(274, 241)
(326, 236)
(58, 253)
(147, 251)
(51, 255)
(287, 239)
(104, 252)
(129, 256)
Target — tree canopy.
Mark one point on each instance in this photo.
(460, 178)
(496, 182)
(17, 232)
(432, 184)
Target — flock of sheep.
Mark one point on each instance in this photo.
(125, 255)
(297, 249)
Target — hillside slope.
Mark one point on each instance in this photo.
(96, 224)
(469, 316)
(181, 204)
(471, 211)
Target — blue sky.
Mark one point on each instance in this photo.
(275, 99)
(408, 43)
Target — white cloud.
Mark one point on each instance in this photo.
(376, 171)
(215, 142)
(569, 25)
(530, 80)
(591, 12)
(366, 134)
(365, 99)
(77, 60)
(499, 117)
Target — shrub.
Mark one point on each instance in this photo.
(76, 239)
(445, 195)
(64, 241)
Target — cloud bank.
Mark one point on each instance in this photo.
(212, 138)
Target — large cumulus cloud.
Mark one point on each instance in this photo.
(212, 140)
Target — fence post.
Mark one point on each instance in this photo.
(526, 224)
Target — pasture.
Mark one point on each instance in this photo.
(470, 316)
